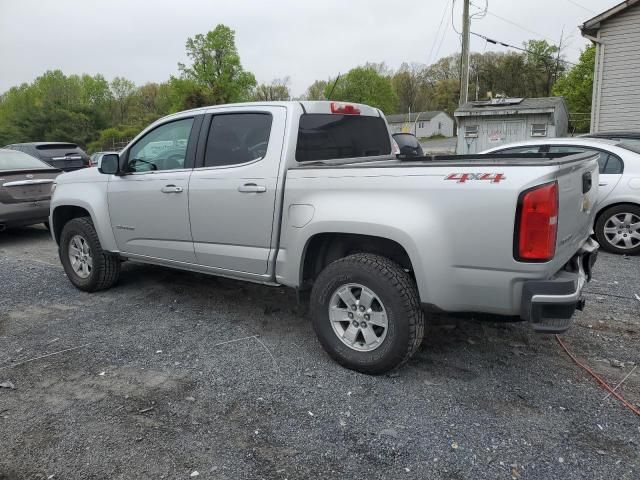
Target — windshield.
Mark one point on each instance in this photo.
(14, 160)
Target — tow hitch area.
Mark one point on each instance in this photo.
(549, 305)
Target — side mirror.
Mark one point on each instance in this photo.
(108, 164)
(408, 151)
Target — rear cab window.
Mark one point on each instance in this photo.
(327, 136)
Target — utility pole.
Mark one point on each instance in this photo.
(464, 75)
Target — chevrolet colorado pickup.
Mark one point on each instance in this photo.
(311, 195)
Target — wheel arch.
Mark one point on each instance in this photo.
(63, 213)
(321, 249)
(618, 203)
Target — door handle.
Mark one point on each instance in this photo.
(603, 184)
(171, 189)
(252, 188)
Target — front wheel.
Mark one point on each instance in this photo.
(86, 264)
(366, 313)
(618, 229)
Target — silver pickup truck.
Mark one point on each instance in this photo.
(312, 196)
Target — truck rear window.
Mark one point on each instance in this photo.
(330, 136)
(60, 149)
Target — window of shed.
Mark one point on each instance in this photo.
(471, 131)
(539, 130)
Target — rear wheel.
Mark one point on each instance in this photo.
(366, 313)
(86, 264)
(618, 229)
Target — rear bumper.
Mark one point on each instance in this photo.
(28, 213)
(549, 305)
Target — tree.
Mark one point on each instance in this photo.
(316, 91)
(410, 88)
(543, 65)
(364, 85)
(216, 67)
(122, 91)
(278, 89)
(577, 87)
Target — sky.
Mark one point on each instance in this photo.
(143, 40)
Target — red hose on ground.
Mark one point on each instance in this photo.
(599, 379)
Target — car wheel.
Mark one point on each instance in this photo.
(86, 264)
(618, 229)
(366, 312)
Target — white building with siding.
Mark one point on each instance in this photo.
(616, 83)
(422, 124)
(490, 123)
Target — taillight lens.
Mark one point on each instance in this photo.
(344, 108)
(537, 223)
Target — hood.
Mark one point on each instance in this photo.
(83, 175)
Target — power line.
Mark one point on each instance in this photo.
(504, 44)
(581, 6)
(435, 40)
(453, 8)
(517, 25)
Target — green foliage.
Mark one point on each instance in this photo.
(277, 90)
(364, 85)
(216, 68)
(100, 115)
(577, 86)
(316, 90)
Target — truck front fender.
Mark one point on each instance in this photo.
(83, 199)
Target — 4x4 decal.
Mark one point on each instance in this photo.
(463, 177)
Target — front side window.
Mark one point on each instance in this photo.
(471, 131)
(163, 148)
(539, 130)
(237, 138)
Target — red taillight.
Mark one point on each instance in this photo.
(537, 223)
(344, 108)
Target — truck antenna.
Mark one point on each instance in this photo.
(334, 87)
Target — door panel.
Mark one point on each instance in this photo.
(148, 221)
(149, 205)
(232, 200)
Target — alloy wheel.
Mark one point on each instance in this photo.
(358, 317)
(80, 256)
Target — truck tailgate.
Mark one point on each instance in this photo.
(577, 195)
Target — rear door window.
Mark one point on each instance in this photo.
(237, 138)
(613, 165)
(330, 136)
(607, 163)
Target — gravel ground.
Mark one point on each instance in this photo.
(173, 373)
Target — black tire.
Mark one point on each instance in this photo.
(602, 221)
(106, 267)
(397, 291)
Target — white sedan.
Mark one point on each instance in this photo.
(617, 225)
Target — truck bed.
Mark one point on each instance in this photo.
(524, 160)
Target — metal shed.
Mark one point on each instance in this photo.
(490, 123)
